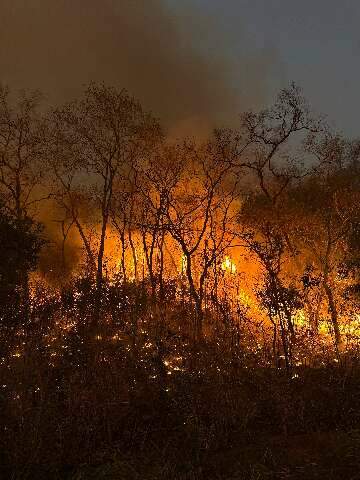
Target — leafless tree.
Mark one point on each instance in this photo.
(199, 209)
(98, 139)
(326, 206)
(22, 166)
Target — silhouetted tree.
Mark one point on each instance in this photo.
(21, 241)
(22, 169)
(95, 142)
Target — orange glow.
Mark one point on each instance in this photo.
(228, 265)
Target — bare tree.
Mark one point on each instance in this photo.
(326, 207)
(100, 137)
(199, 209)
(274, 146)
(159, 176)
(22, 168)
(273, 149)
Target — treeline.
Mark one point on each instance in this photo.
(148, 288)
(278, 196)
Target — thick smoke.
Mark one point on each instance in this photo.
(143, 46)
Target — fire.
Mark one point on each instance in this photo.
(183, 264)
(228, 265)
(244, 298)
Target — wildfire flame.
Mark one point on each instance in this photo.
(228, 265)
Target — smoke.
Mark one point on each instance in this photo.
(144, 46)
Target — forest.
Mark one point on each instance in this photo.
(177, 308)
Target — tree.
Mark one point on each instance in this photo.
(269, 150)
(272, 144)
(325, 211)
(159, 176)
(21, 241)
(22, 169)
(22, 166)
(95, 141)
(200, 210)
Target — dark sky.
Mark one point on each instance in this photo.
(194, 63)
(316, 43)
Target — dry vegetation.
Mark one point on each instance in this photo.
(177, 310)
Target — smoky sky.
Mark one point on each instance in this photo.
(317, 45)
(165, 57)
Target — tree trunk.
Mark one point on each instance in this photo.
(100, 259)
(133, 250)
(89, 253)
(196, 298)
(333, 313)
(123, 264)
